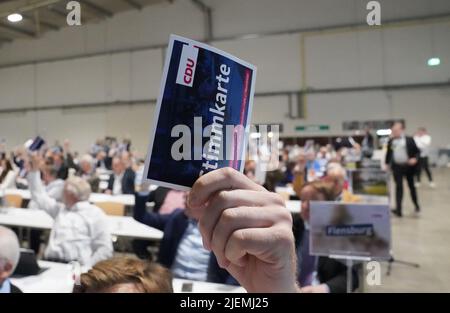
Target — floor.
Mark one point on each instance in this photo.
(424, 240)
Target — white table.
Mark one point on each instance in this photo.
(55, 279)
(126, 226)
(121, 226)
(58, 279)
(204, 287)
(102, 197)
(95, 197)
(287, 190)
(25, 218)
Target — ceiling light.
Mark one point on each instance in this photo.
(434, 61)
(15, 17)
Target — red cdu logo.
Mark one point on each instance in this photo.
(188, 63)
(189, 72)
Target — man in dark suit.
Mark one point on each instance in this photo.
(9, 257)
(181, 249)
(122, 180)
(317, 274)
(402, 158)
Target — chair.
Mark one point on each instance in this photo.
(13, 200)
(112, 208)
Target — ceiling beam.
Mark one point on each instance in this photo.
(14, 6)
(134, 4)
(43, 23)
(207, 11)
(37, 24)
(17, 30)
(57, 11)
(96, 8)
(200, 4)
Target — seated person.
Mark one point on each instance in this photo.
(125, 275)
(337, 176)
(165, 201)
(7, 174)
(9, 258)
(313, 168)
(102, 161)
(181, 248)
(322, 158)
(122, 180)
(54, 186)
(80, 230)
(299, 173)
(57, 157)
(87, 172)
(317, 274)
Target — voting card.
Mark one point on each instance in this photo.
(202, 114)
(350, 230)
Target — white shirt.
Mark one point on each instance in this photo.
(423, 143)
(10, 180)
(117, 186)
(191, 261)
(79, 233)
(54, 190)
(400, 153)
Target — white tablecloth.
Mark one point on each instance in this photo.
(95, 197)
(123, 226)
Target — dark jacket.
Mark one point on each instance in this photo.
(158, 196)
(329, 271)
(127, 181)
(174, 225)
(63, 172)
(411, 149)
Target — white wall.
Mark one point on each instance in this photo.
(81, 126)
(151, 26)
(430, 108)
(333, 60)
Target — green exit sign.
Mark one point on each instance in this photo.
(312, 128)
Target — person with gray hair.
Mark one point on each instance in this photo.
(9, 257)
(336, 175)
(80, 231)
(87, 172)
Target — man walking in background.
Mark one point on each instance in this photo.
(402, 158)
(423, 142)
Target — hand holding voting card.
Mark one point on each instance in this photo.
(202, 113)
(353, 230)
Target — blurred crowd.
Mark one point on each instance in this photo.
(61, 180)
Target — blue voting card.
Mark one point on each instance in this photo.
(202, 114)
